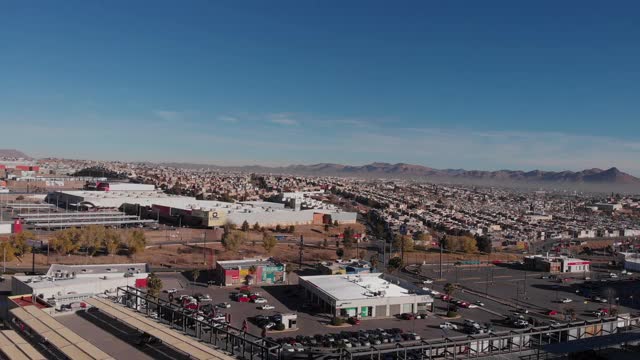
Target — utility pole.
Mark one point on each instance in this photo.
(441, 243)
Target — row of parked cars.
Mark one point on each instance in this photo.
(347, 339)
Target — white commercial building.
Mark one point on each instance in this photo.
(365, 295)
(66, 284)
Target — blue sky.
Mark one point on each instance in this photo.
(448, 84)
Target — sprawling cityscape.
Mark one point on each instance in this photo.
(291, 180)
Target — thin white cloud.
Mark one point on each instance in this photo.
(170, 115)
(228, 119)
(283, 119)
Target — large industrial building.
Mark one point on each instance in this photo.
(372, 295)
(139, 199)
(250, 272)
(66, 284)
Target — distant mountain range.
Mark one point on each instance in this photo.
(611, 176)
(12, 154)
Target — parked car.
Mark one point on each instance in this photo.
(353, 321)
(552, 313)
(565, 300)
(171, 291)
(521, 323)
(224, 305)
(266, 307)
(448, 325)
(260, 300)
(479, 303)
(428, 281)
(407, 316)
(203, 298)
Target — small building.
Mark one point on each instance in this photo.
(353, 266)
(250, 272)
(556, 264)
(365, 295)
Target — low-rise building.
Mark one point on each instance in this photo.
(365, 295)
(250, 272)
(556, 264)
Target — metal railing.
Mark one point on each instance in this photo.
(217, 333)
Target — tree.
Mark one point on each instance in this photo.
(232, 241)
(91, 238)
(112, 241)
(326, 227)
(484, 244)
(374, 261)
(256, 227)
(136, 241)
(6, 249)
(245, 226)
(278, 228)
(335, 223)
(450, 289)
(340, 252)
(348, 238)
(65, 242)
(195, 274)
(325, 243)
(269, 242)
(395, 263)
(403, 242)
(19, 242)
(154, 284)
(292, 228)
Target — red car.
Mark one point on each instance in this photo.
(243, 299)
(353, 321)
(552, 313)
(445, 297)
(463, 304)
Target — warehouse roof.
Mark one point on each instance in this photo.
(354, 287)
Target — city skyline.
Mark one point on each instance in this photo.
(497, 86)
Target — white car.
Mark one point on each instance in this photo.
(428, 281)
(298, 347)
(288, 348)
(448, 325)
(267, 307)
(479, 303)
(613, 275)
(260, 301)
(224, 305)
(565, 300)
(171, 291)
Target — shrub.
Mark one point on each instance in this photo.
(279, 326)
(451, 314)
(336, 321)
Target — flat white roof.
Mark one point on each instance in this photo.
(357, 286)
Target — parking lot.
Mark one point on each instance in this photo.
(536, 292)
(289, 299)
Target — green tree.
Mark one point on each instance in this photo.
(348, 238)
(256, 227)
(269, 242)
(232, 241)
(19, 242)
(245, 226)
(154, 284)
(340, 252)
(292, 228)
(484, 244)
(395, 263)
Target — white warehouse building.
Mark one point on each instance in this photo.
(372, 295)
